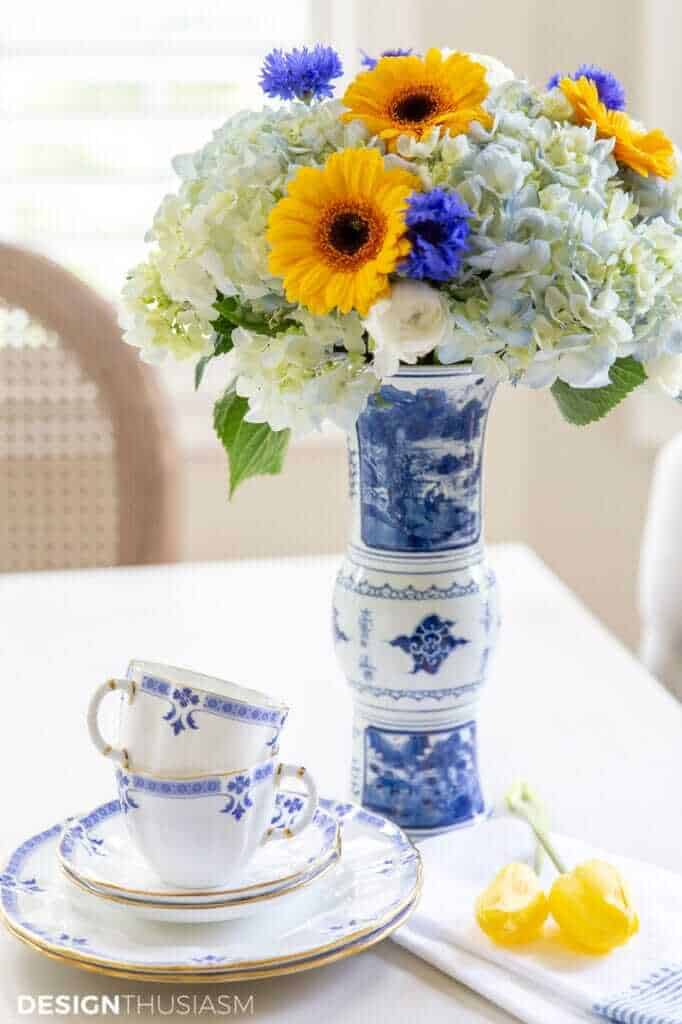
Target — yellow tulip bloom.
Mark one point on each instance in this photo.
(592, 907)
(514, 907)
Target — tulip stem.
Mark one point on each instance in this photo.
(544, 841)
(522, 801)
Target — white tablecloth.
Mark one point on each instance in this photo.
(567, 708)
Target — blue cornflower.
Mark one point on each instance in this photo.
(371, 62)
(438, 228)
(611, 92)
(300, 74)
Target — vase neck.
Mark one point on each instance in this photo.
(415, 462)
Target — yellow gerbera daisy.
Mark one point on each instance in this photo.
(645, 152)
(411, 95)
(340, 231)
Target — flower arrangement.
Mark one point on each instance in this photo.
(443, 211)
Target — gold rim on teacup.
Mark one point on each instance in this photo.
(212, 685)
(90, 881)
(203, 776)
(332, 857)
(225, 705)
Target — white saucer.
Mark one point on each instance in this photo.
(370, 892)
(224, 908)
(96, 852)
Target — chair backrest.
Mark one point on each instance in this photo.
(661, 571)
(87, 461)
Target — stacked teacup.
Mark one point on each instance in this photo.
(197, 771)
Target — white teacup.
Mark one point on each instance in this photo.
(198, 832)
(176, 722)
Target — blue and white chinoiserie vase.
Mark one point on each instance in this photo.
(415, 614)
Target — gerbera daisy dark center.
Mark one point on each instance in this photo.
(415, 106)
(351, 233)
(348, 232)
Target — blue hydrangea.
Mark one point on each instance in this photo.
(303, 74)
(438, 228)
(371, 62)
(611, 92)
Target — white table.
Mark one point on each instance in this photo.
(568, 708)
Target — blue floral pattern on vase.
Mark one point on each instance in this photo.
(420, 467)
(178, 717)
(339, 635)
(425, 780)
(430, 644)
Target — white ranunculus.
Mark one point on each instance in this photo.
(496, 73)
(408, 324)
(666, 371)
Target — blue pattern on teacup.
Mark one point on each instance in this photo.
(238, 799)
(234, 787)
(186, 705)
(183, 698)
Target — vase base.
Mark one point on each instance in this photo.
(424, 780)
(416, 834)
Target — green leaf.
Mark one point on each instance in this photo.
(234, 313)
(223, 345)
(253, 449)
(199, 371)
(587, 405)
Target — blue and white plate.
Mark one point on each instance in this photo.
(97, 854)
(370, 892)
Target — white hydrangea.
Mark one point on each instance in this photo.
(301, 378)
(666, 371)
(565, 274)
(573, 261)
(230, 186)
(157, 324)
(210, 237)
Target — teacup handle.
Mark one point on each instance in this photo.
(127, 686)
(291, 771)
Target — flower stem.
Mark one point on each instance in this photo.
(523, 802)
(544, 841)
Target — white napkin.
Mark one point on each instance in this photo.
(543, 982)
